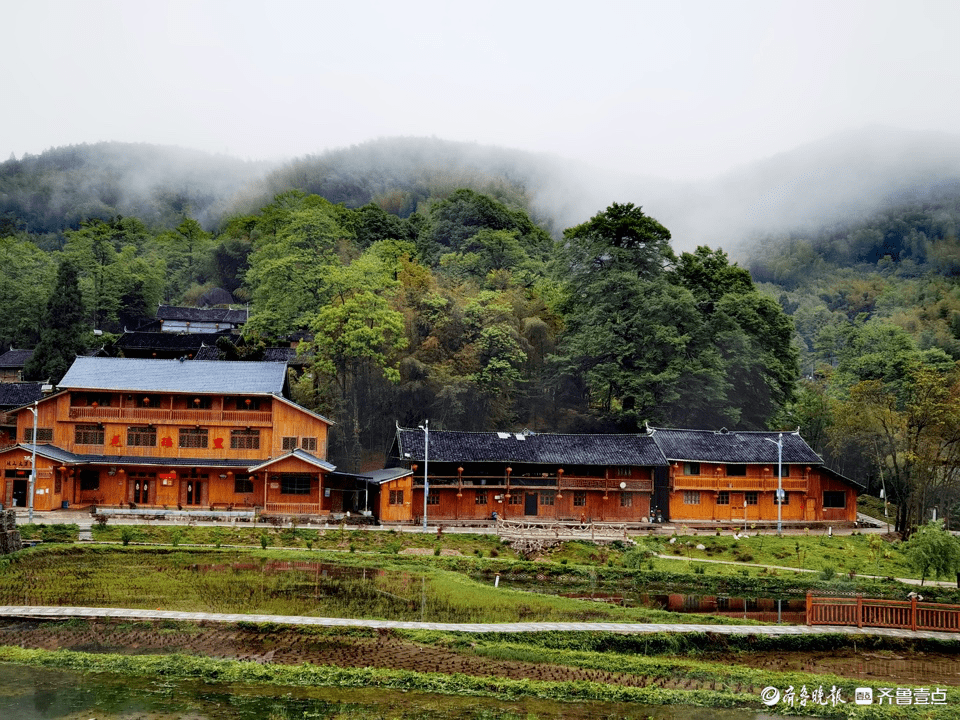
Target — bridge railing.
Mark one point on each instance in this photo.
(869, 612)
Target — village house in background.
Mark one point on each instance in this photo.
(657, 476)
(171, 433)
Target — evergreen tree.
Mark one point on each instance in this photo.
(62, 336)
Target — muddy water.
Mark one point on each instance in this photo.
(28, 693)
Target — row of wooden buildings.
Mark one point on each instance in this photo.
(215, 434)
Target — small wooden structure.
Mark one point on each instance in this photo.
(531, 537)
(868, 612)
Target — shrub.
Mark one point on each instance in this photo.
(264, 540)
(828, 572)
(126, 534)
(101, 520)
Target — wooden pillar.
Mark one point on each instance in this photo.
(809, 608)
(913, 613)
(456, 502)
(859, 610)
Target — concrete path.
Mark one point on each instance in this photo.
(42, 611)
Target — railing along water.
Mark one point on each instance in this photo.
(870, 612)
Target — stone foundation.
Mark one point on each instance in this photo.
(9, 533)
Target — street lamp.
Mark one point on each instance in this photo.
(33, 463)
(426, 459)
(779, 443)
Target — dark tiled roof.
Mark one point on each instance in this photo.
(207, 352)
(210, 315)
(14, 395)
(547, 449)
(199, 376)
(15, 358)
(732, 446)
(279, 354)
(186, 342)
(301, 455)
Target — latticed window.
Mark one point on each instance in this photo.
(691, 497)
(516, 498)
(245, 439)
(194, 437)
(481, 497)
(309, 444)
(750, 498)
(43, 435)
(433, 499)
(289, 443)
(723, 497)
(88, 435)
(580, 498)
(242, 484)
(396, 497)
(295, 484)
(547, 497)
(626, 499)
(142, 436)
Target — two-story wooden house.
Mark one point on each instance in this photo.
(168, 433)
(541, 476)
(735, 475)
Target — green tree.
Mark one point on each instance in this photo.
(64, 332)
(932, 550)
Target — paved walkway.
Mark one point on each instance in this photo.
(42, 611)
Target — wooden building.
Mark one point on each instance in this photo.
(660, 475)
(473, 476)
(732, 476)
(169, 433)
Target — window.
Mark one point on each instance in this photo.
(691, 497)
(245, 439)
(626, 499)
(43, 435)
(580, 498)
(624, 471)
(294, 484)
(88, 435)
(750, 498)
(736, 470)
(785, 469)
(396, 497)
(142, 436)
(290, 443)
(516, 498)
(200, 403)
(433, 499)
(834, 499)
(547, 497)
(193, 437)
(691, 468)
(242, 485)
(723, 498)
(309, 444)
(98, 399)
(786, 498)
(481, 497)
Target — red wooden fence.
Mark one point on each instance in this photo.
(868, 612)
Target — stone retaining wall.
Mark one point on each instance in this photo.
(9, 533)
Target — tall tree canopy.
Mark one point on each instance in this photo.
(65, 330)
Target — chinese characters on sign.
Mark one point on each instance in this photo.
(804, 697)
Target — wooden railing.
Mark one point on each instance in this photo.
(162, 415)
(868, 612)
(293, 508)
(520, 484)
(737, 484)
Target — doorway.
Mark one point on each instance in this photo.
(19, 493)
(530, 503)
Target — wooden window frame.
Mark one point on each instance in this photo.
(691, 497)
(141, 436)
(193, 438)
(88, 434)
(245, 439)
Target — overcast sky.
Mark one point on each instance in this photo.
(669, 88)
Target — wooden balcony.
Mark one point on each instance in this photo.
(166, 416)
(537, 483)
(737, 484)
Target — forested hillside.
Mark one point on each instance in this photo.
(440, 290)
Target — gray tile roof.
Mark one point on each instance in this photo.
(13, 395)
(301, 455)
(733, 446)
(210, 315)
(14, 358)
(533, 448)
(197, 376)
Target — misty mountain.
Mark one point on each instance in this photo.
(56, 190)
(839, 180)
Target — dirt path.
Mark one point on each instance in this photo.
(386, 649)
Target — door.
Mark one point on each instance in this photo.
(194, 491)
(530, 503)
(141, 490)
(19, 493)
